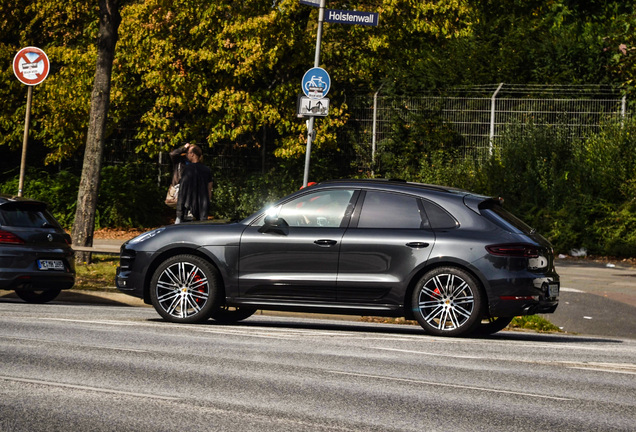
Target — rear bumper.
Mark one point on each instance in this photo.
(526, 297)
(37, 281)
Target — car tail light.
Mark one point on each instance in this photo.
(514, 250)
(9, 238)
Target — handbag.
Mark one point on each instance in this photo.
(172, 196)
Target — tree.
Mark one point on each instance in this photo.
(84, 226)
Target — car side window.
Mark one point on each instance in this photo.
(438, 217)
(388, 210)
(324, 208)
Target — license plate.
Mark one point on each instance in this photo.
(553, 289)
(50, 265)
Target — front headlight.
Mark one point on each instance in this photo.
(145, 236)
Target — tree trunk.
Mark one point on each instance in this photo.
(84, 225)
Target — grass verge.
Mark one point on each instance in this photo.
(97, 276)
(528, 322)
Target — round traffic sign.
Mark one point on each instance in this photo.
(316, 83)
(31, 66)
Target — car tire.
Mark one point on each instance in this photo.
(490, 325)
(38, 296)
(228, 315)
(184, 289)
(447, 301)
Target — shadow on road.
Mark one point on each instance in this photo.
(397, 329)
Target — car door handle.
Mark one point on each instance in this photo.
(325, 243)
(417, 245)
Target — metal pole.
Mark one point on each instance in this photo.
(310, 123)
(25, 140)
(492, 117)
(375, 118)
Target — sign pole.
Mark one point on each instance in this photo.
(25, 140)
(31, 66)
(310, 123)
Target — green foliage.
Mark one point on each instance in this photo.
(533, 322)
(238, 198)
(58, 190)
(226, 74)
(125, 200)
(578, 193)
(97, 274)
(417, 145)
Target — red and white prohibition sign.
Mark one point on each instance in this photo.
(31, 66)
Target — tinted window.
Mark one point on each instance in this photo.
(26, 216)
(318, 209)
(505, 219)
(386, 210)
(438, 217)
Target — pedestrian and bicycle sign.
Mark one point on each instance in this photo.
(31, 66)
(316, 83)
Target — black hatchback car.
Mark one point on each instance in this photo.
(456, 262)
(36, 259)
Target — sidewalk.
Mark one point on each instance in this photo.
(104, 246)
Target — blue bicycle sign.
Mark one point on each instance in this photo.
(316, 83)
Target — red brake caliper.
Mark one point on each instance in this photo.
(197, 278)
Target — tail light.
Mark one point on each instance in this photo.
(519, 250)
(9, 238)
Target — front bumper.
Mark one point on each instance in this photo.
(127, 279)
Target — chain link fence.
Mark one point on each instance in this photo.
(481, 114)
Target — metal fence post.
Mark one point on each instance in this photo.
(375, 120)
(492, 117)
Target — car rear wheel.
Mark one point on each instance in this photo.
(491, 325)
(38, 296)
(447, 302)
(227, 315)
(184, 289)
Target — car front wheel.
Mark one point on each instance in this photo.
(447, 302)
(184, 289)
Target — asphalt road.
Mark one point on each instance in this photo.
(596, 299)
(74, 366)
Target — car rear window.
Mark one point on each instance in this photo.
(494, 212)
(26, 215)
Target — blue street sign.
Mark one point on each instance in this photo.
(315, 3)
(316, 83)
(352, 17)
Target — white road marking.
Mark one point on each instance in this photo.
(437, 384)
(574, 290)
(86, 388)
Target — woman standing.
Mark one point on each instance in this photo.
(195, 190)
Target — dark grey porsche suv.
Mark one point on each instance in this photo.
(456, 262)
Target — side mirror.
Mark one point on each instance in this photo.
(275, 224)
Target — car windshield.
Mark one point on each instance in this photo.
(26, 216)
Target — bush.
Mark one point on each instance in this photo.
(124, 201)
